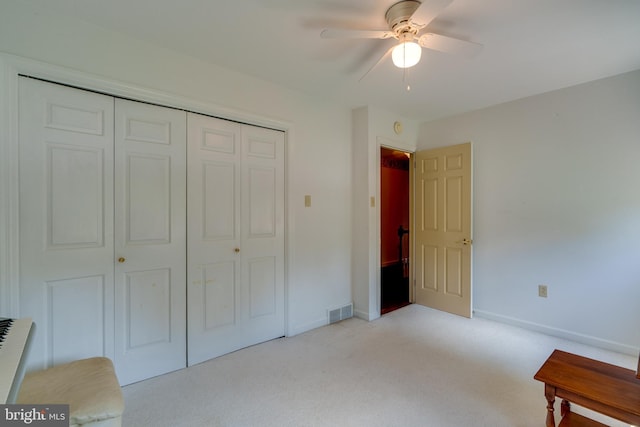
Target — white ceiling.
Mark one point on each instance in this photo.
(530, 46)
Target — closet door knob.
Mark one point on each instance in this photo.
(236, 250)
(121, 260)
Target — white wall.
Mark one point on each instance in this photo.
(556, 202)
(319, 151)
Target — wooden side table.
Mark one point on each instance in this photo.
(608, 389)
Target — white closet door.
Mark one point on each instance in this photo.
(66, 221)
(235, 252)
(102, 276)
(150, 240)
(262, 233)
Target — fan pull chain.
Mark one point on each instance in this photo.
(405, 78)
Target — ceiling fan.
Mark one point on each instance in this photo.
(406, 19)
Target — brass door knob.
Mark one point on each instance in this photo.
(467, 241)
(236, 250)
(121, 260)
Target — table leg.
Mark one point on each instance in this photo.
(565, 407)
(550, 394)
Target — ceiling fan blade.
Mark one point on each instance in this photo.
(331, 33)
(427, 11)
(449, 45)
(382, 58)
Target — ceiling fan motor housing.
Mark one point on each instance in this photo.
(398, 16)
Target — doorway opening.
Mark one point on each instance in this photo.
(394, 229)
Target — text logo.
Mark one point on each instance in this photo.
(34, 415)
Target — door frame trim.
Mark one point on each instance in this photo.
(11, 68)
(388, 143)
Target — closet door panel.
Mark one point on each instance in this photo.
(150, 240)
(148, 199)
(85, 295)
(236, 236)
(262, 280)
(213, 274)
(263, 232)
(75, 196)
(218, 201)
(66, 221)
(262, 202)
(219, 302)
(148, 308)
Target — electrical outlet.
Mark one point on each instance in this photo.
(542, 291)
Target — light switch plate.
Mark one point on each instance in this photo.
(307, 201)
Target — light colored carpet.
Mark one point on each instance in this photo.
(413, 367)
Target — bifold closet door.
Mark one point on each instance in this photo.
(235, 270)
(66, 222)
(150, 240)
(102, 229)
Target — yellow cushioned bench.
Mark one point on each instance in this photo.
(89, 386)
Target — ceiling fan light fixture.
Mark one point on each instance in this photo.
(406, 54)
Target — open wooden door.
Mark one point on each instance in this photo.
(443, 219)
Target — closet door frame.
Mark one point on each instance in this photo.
(11, 67)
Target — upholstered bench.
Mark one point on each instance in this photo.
(88, 386)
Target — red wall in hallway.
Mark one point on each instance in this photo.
(394, 210)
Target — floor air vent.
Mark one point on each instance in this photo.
(340, 313)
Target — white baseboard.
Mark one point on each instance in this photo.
(560, 333)
(299, 329)
(365, 315)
